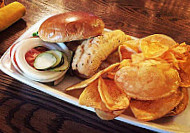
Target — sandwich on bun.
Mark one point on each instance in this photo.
(46, 58)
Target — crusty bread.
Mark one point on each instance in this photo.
(70, 26)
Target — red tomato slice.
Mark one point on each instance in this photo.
(31, 54)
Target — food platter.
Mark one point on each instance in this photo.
(179, 123)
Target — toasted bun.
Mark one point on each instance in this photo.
(70, 26)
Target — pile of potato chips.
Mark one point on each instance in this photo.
(151, 79)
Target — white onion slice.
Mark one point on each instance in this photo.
(24, 68)
(13, 51)
(66, 50)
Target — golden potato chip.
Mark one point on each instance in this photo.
(180, 50)
(111, 74)
(125, 52)
(125, 62)
(108, 115)
(137, 58)
(155, 45)
(185, 64)
(90, 97)
(148, 80)
(170, 58)
(185, 79)
(182, 105)
(153, 49)
(162, 39)
(86, 82)
(177, 55)
(154, 109)
(113, 97)
(184, 72)
(133, 44)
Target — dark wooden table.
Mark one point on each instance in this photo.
(25, 109)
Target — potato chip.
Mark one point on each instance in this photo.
(170, 58)
(113, 97)
(182, 105)
(185, 79)
(108, 115)
(137, 58)
(154, 109)
(148, 80)
(179, 57)
(125, 52)
(155, 45)
(90, 97)
(111, 74)
(86, 82)
(133, 44)
(152, 49)
(125, 62)
(185, 64)
(184, 72)
(162, 39)
(180, 50)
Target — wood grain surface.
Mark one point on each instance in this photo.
(25, 109)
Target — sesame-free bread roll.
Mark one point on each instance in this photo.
(70, 26)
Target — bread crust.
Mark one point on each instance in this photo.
(70, 26)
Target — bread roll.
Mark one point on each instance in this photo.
(70, 26)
